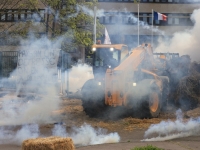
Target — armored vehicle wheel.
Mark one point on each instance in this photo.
(149, 102)
(154, 104)
(93, 99)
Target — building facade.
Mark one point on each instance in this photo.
(120, 18)
(17, 19)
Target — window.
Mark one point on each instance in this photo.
(42, 14)
(130, 20)
(113, 19)
(29, 14)
(3, 16)
(169, 19)
(119, 18)
(157, 0)
(101, 20)
(145, 17)
(157, 21)
(15, 15)
(9, 15)
(170, 1)
(107, 19)
(176, 21)
(150, 19)
(125, 19)
(22, 15)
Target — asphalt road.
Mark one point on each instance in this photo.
(128, 139)
(132, 139)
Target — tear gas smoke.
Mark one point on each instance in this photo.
(35, 77)
(133, 18)
(90, 12)
(167, 130)
(78, 75)
(184, 42)
(8, 136)
(87, 135)
(144, 25)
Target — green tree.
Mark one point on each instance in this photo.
(70, 19)
(67, 18)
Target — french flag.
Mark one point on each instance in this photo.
(159, 16)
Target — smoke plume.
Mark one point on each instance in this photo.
(78, 75)
(8, 136)
(184, 42)
(90, 12)
(35, 79)
(87, 135)
(167, 130)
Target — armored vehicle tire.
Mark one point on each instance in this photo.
(154, 104)
(149, 106)
(93, 99)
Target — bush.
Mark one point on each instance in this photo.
(148, 147)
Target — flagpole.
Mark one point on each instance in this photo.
(95, 18)
(152, 29)
(138, 24)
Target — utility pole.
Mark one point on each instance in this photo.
(47, 22)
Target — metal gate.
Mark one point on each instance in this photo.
(8, 62)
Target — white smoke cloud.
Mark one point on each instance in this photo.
(7, 135)
(184, 42)
(90, 12)
(167, 130)
(87, 135)
(59, 130)
(133, 18)
(145, 25)
(35, 79)
(78, 75)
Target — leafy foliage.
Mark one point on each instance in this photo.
(67, 18)
(76, 25)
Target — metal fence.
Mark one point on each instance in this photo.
(8, 62)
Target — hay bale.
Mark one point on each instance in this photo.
(49, 143)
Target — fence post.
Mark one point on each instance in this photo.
(67, 86)
(0, 65)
